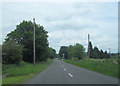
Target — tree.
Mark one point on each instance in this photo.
(79, 51)
(11, 52)
(71, 52)
(23, 34)
(101, 54)
(51, 53)
(54, 52)
(0, 49)
(96, 53)
(63, 50)
(90, 50)
(106, 55)
(76, 51)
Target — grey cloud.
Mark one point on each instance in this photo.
(67, 23)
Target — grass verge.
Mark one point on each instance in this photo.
(97, 65)
(19, 74)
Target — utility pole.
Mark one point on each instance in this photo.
(109, 51)
(34, 39)
(88, 46)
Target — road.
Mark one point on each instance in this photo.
(60, 72)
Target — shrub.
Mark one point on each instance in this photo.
(11, 52)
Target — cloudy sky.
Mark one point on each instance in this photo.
(67, 23)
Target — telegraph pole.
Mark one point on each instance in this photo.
(109, 51)
(34, 39)
(88, 46)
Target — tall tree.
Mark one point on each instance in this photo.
(23, 34)
(101, 54)
(63, 50)
(73, 51)
(96, 53)
(106, 55)
(51, 53)
(90, 50)
(79, 51)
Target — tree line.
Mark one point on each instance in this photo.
(96, 53)
(72, 51)
(78, 51)
(18, 45)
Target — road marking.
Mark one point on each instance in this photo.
(64, 69)
(70, 75)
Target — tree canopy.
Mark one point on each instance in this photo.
(12, 52)
(73, 51)
(51, 53)
(63, 50)
(23, 34)
(95, 53)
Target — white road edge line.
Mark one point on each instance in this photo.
(70, 75)
(64, 69)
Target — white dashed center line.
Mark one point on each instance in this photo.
(70, 75)
(64, 69)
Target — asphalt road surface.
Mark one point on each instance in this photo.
(60, 72)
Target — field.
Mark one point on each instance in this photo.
(104, 66)
(18, 74)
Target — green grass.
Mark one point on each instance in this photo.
(19, 74)
(17, 79)
(105, 66)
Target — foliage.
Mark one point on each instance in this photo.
(101, 54)
(11, 52)
(90, 50)
(75, 51)
(51, 53)
(114, 55)
(0, 48)
(0, 53)
(63, 50)
(71, 52)
(95, 53)
(23, 34)
(106, 55)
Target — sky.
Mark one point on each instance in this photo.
(67, 23)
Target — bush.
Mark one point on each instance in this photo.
(11, 52)
(76, 51)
